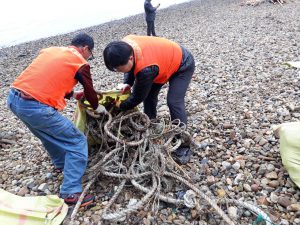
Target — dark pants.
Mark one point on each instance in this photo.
(150, 28)
(178, 85)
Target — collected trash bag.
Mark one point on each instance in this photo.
(295, 64)
(106, 98)
(289, 134)
(80, 117)
(36, 210)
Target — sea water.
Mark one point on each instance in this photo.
(27, 20)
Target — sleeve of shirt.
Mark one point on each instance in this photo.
(84, 77)
(129, 78)
(141, 88)
(150, 8)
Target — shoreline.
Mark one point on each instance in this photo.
(87, 27)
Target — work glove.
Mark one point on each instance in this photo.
(78, 95)
(101, 109)
(125, 88)
(118, 103)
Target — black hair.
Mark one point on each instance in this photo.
(116, 54)
(82, 39)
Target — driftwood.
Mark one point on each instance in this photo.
(258, 2)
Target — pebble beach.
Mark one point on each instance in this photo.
(240, 89)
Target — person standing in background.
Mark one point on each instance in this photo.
(150, 12)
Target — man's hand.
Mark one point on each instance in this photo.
(125, 88)
(78, 95)
(118, 103)
(101, 109)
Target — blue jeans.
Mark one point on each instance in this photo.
(66, 145)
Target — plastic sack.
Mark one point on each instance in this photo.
(293, 64)
(80, 117)
(36, 210)
(289, 134)
(106, 98)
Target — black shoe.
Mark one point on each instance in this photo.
(72, 199)
(182, 155)
(58, 170)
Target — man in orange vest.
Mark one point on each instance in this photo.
(148, 63)
(39, 93)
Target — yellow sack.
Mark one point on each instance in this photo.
(80, 117)
(289, 134)
(107, 97)
(293, 64)
(37, 210)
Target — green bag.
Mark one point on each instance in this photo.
(289, 134)
(105, 98)
(36, 210)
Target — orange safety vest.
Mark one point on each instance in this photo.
(148, 51)
(51, 75)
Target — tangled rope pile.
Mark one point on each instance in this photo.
(130, 148)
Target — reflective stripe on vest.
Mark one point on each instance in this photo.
(148, 51)
(51, 75)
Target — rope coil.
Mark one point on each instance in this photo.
(135, 150)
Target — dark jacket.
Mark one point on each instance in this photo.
(143, 81)
(149, 10)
